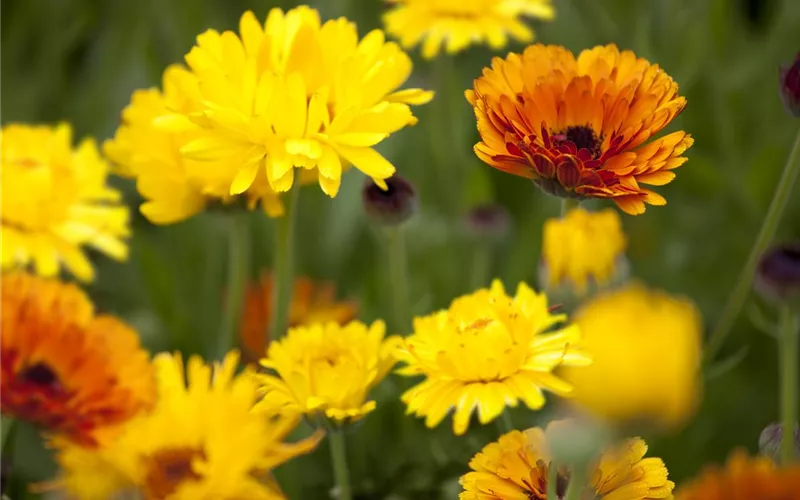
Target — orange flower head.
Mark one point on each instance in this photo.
(63, 367)
(581, 127)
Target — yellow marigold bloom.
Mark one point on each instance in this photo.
(64, 368)
(645, 346)
(202, 441)
(294, 92)
(56, 200)
(582, 248)
(581, 127)
(311, 303)
(459, 23)
(327, 369)
(487, 351)
(744, 478)
(175, 188)
(516, 468)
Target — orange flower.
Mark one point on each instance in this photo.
(579, 127)
(311, 303)
(64, 368)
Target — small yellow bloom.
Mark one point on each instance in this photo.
(203, 441)
(327, 369)
(55, 201)
(582, 248)
(487, 351)
(459, 23)
(645, 346)
(516, 468)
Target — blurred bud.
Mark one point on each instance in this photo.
(790, 86)
(488, 222)
(391, 206)
(769, 443)
(778, 275)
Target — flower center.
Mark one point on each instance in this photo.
(39, 374)
(582, 136)
(168, 469)
(536, 485)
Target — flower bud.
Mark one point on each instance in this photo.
(489, 221)
(769, 443)
(390, 206)
(778, 274)
(790, 86)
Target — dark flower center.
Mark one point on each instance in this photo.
(168, 469)
(39, 374)
(582, 136)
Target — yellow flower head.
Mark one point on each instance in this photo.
(56, 200)
(203, 441)
(581, 127)
(488, 350)
(175, 188)
(327, 369)
(744, 478)
(516, 467)
(582, 248)
(645, 346)
(459, 23)
(293, 92)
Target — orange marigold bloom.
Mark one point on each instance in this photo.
(312, 302)
(63, 367)
(579, 127)
(744, 478)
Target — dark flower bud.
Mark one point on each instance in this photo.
(778, 274)
(391, 206)
(769, 443)
(488, 222)
(790, 86)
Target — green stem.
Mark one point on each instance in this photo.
(506, 422)
(568, 204)
(443, 136)
(283, 268)
(768, 227)
(790, 333)
(339, 461)
(577, 483)
(481, 265)
(398, 270)
(552, 480)
(238, 268)
(8, 428)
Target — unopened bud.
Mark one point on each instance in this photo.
(391, 206)
(488, 222)
(769, 443)
(778, 274)
(790, 86)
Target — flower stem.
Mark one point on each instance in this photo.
(238, 268)
(7, 425)
(766, 233)
(552, 480)
(339, 461)
(577, 483)
(481, 265)
(790, 333)
(568, 204)
(506, 422)
(398, 270)
(283, 268)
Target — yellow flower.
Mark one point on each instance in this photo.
(459, 23)
(201, 442)
(581, 248)
(327, 369)
(516, 468)
(293, 92)
(744, 478)
(489, 351)
(175, 188)
(645, 346)
(55, 200)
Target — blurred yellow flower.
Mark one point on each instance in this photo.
(175, 188)
(201, 442)
(487, 351)
(517, 465)
(459, 23)
(293, 92)
(645, 346)
(55, 201)
(744, 478)
(582, 248)
(327, 369)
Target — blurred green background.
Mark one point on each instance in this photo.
(79, 61)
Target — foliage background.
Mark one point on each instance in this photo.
(79, 60)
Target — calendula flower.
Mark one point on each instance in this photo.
(487, 351)
(326, 370)
(293, 92)
(645, 347)
(458, 23)
(582, 248)
(312, 302)
(175, 188)
(63, 367)
(581, 127)
(202, 441)
(516, 468)
(744, 478)
(56, 201)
